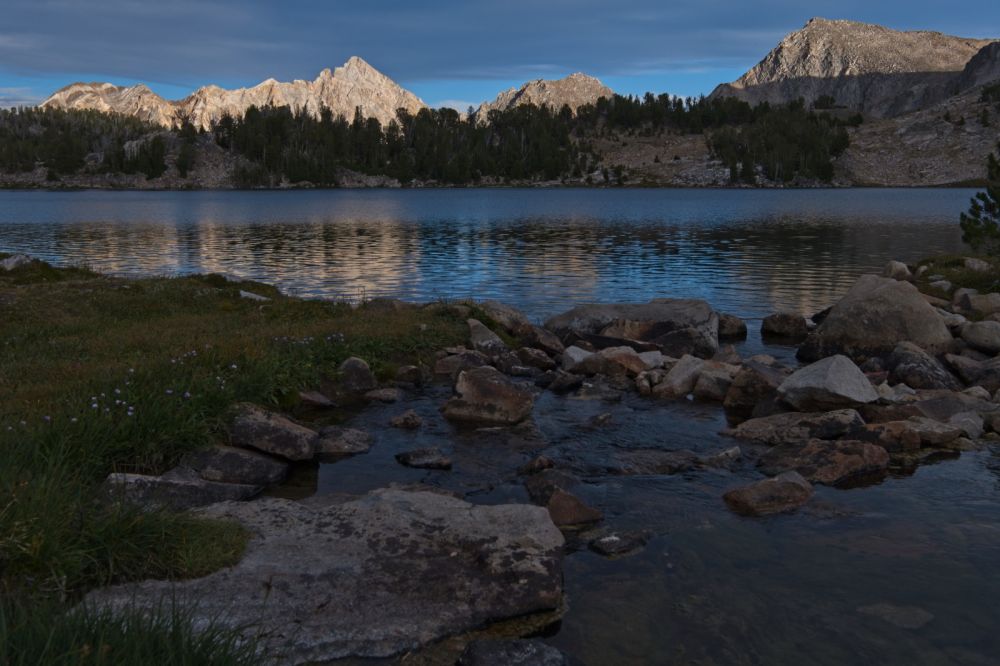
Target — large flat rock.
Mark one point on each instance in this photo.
(373, 577)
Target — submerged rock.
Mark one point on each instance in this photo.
(798, 427)
(830, 383)
(408, 420)
(785, 492)
(257, 428)
(508, 652)
(832, 463)
(567, 510)
(336, 440)
(873, 317)
(484, 395)
(430, 458)
(617, 544)
(386, 573)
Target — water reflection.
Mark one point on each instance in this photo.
(748, 252)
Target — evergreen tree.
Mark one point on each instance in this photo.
(981, 224)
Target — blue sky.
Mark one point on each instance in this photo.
(448, 52)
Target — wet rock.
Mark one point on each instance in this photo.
(15, 261)
(911, 365)
(681, 379)
(565, 382)
(797, 427)
(785, 492)
(484, 340)
(785, 325)
(522, 652)
(567, 510)
(714, 381)
(642, 462)
(600, 420)
(336, 440)
(356, 376)
(536, 465)
(873, 317)
(756, 381)
(897, 270)
(832, 463)
(409, 568)
(535, 358)
(904, 617)
(543, 484)
(387, 395)
(724, 459)
(179, 489)
(598, 388)
(227, 464)
(731, 327)
(410, 374)
(617, 544)
(265, 431)
(827, 384)
(408, 420)
(911, 434)
(452, 364)
(678, 326)
(315, 399)
(594, 342)
(983, 335)
(484, 395)
(429, 458)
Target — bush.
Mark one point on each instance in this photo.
(981, 224)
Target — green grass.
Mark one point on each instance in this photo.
(952, 268)
(100, 374)
(46, 633)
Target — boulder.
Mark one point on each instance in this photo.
(535, 358)
(337, 440)
(227, 464)
(677, 326)
(756, 381)
(646, 381)
(387, 573)
(681, 379)
(731, 327)
(565, 382)
(536, 336)
(873, 317)
(484, 340)
(827, 384)
(178, 489)
(983, 335)
(798, 428)
(653, 360)
(484, 395)
(897, 270)
(567, 510)
(507, 317)
(452, 364)
(714, 381)
(511, 652)
(785, 492)
(785, 325)
(257, 428)
(572, 356)
(831, 463)
(626, 358)
(14, 261)
(981, 304)
(909, 364)
(970, 423)
(911, 434)
(429, 458)
(356, 376)
(408, 420)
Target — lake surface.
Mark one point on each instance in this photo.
(748, 252)
(838, 582)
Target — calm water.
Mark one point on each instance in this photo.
(710, 588)
(747, 252)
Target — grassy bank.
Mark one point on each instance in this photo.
(952, 268)
(101, 374)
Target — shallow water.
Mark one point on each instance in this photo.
(710, 587)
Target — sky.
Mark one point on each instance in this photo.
(449, 52)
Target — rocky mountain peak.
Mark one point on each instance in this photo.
(574, 91)
(864, 67)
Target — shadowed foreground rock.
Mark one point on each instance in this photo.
(485, 395)
(373, 577)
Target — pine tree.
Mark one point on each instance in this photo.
(981, 224)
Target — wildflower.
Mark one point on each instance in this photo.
(170, 391)
(93, 406)
(46, 418)
(232, 367)
(187, 394)
(73, 420)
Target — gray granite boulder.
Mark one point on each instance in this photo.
(486, 396)
(228, 464)
(829, 383)
(256, 428)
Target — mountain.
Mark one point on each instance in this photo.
(864, 67)
(984, 67)
(574, 91)
(356, 84)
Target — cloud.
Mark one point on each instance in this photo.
(460, 105)
(18, 97)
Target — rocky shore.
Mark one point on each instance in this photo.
(890, 378)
